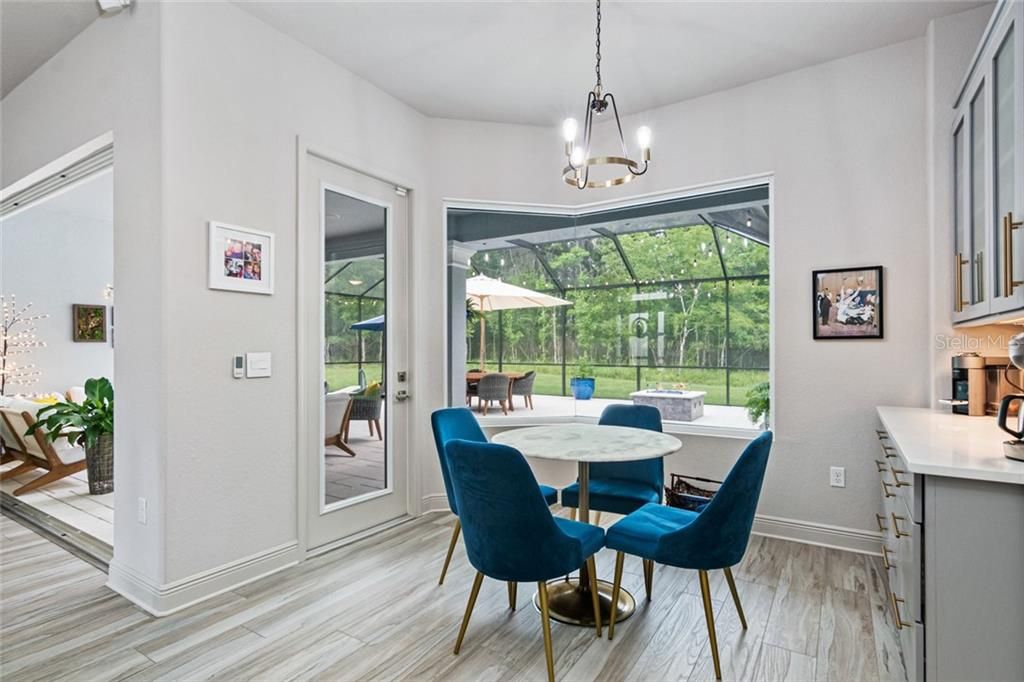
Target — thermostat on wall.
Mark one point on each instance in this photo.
(257, 365)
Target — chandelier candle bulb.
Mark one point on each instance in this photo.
(569, 128)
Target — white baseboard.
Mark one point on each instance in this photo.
(838, 537)
(434, 503)
(161, 600)
(807, 532)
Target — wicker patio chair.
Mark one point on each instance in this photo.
(492, 387)
(524, 387)
(367, 408)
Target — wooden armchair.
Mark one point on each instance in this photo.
(37, 452)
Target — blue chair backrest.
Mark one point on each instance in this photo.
(509, 531)
(449, 424)
(722, 529)
(649, 471)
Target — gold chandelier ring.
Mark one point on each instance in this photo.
(569, 173)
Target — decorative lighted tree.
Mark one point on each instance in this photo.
(17, 338)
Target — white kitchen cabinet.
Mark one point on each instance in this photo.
(988, 174)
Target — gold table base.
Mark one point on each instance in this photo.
(570, 604)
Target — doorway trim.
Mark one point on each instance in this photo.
(306, 411)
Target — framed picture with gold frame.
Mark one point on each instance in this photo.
(88, 323)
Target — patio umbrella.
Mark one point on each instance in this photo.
(374, 324)
(487, 294)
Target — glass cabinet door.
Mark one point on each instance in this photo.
(978, 178)
(962, 238)
(1008, 261)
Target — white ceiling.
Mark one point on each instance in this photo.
(529, 62)
(32, 31)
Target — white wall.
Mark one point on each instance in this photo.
(846, 144)
(55, 254)
(236, 95)
(108, 79)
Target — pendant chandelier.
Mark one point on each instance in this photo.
(580, 158)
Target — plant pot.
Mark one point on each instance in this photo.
(99, 463)
(583, 387)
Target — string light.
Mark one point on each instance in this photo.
(17, 337)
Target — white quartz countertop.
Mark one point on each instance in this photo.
(938, 443)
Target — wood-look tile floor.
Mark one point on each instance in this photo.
(373, 610)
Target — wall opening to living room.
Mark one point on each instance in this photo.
(57, 281)
(661, 300)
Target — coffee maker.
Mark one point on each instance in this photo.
(1013, 449)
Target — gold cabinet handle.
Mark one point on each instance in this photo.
(881, 466)
(1009, 225)
(958, 279)
(885, 557)
(896, 478)
(878, 519)
(896, 526)
(887, 450)
(885, 490)
(896, 601)
(882, 435)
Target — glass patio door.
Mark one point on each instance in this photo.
(355, 350)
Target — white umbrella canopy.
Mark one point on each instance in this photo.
(487, 294)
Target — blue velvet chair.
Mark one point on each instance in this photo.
(510, 532)
(623, 487)
(716, 537)
(459, 422)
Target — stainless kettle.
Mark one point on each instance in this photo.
(1004, 412)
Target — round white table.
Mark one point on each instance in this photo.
(570, 601)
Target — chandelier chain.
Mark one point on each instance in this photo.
(597, 66)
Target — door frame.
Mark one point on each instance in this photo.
(305, 410)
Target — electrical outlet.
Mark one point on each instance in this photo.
(142, 511)
(837, 477)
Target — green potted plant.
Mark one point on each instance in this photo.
(89, 424)
(583, 382)
(759, 403)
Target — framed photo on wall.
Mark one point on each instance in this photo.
(88, 323)
(241, 259)
(848, 303)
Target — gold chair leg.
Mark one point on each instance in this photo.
(735, 597)
(469, 609)
(572, 513)
(620, 557)
(451, 548)
(709, 616)
(597, 518)
(592, 570)
(512, 589)
(545, 624)
(648, 577)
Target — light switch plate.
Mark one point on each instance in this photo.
(257, 365)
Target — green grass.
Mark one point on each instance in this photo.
(340, 376)
(612, 382)
(619, 382)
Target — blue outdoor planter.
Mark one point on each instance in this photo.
(583, 387)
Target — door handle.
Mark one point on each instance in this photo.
(1009, 225)
(896, 601)
(959, 263)
(401, 396)
(896, 526)
(885, 490)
